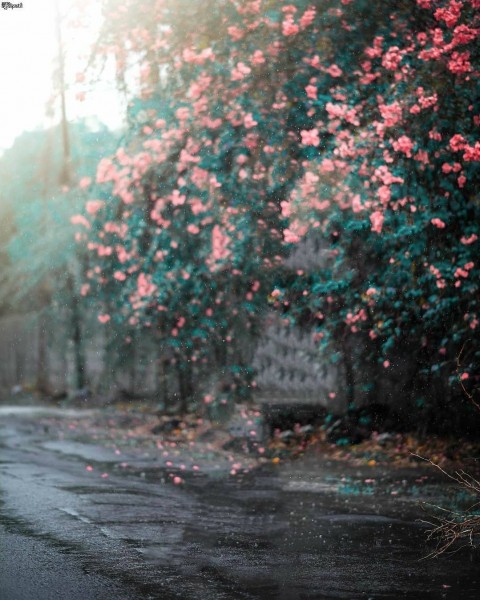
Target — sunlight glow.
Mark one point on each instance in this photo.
(28, 49)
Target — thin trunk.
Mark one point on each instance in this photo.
(184, 385)
(163, 381)
(65, 176)
(42, 356)
(133, 365)
(349, 376)
(80, 378)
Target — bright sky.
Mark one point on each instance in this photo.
(27, 59)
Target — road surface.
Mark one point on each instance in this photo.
(74, 524)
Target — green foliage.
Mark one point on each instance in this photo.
(258, 124)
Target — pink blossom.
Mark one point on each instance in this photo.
(235, 33)
(295, 232)
(377, 219)
(422, 156)
(392, 57)
(289, 27)
(457, 142)
(459, 63)
(119, 276)
(103, 319)
(93, 206)
(357, 205)
(384, 194)
(311, 91)
(449, 15)
(391, 113)
(240, 71)
(463, 34)
(313, 62)
(428, 101)
(177, 198)
(182, 113)
(257, 58)
(438, 223)
(80, 220)
(220, 243)
(307, 18)
(310, 137)
(403, 144)
(469, 240)
(334, 71)
(145, 287)
(249, 121)
(327, 165)
(84, 182)
(290, 237)
(472, 153)
(190, 56)
(375, 51)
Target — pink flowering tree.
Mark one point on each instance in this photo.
(396, 193)
(257, 124)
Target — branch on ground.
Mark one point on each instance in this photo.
(448, 526)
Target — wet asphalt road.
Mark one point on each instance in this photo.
(279, 533)
(33, 569)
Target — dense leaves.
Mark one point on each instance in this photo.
(255, 126)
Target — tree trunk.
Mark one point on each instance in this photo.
(80, 375)
(184, 385)
(349, 376)
(42, 356)
(133, 365)
(163, 381)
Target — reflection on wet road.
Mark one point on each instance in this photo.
(278, 533)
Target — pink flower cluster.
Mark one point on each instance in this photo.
(449, 15)
(289, 27)
(351, 319)
(310, 137)
(391, 113)
(392, 58)
(403, 144)
(145, 287)
(377, 219)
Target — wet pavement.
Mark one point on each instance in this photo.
(78, 516)
(31, 568)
